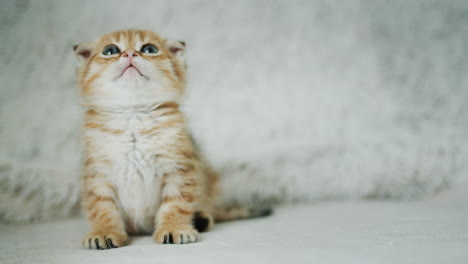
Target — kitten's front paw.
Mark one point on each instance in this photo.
(104, 240)
(170, 234)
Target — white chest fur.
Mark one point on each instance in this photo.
(137, 182)
(135, 171)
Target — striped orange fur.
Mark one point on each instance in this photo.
(141, 171)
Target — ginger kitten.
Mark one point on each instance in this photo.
(141, 172)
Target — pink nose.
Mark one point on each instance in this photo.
(130, 53)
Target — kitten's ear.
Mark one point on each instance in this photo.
(176, 47)
(83, 51)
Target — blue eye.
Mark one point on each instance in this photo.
(149, 48)
(110, 50)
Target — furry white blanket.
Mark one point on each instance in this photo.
(290, 100)
(429, 231)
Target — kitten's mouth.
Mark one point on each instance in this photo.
(131, 69)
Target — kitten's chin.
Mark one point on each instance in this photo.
(124, 101)
(124, 107)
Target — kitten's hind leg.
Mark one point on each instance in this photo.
(202, 221)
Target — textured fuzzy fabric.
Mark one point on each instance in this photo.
(431, 231)
(291, 100)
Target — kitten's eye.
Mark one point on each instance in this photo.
(149, 48)
(110, 50)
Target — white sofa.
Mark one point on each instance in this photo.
(433, 230)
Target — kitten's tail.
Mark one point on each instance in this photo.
(239, 212)
(203, 221)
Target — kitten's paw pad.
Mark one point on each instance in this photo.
(104, 240)
(175, 235)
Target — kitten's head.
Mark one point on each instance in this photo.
(130, 68)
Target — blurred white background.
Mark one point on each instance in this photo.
(290, 100)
